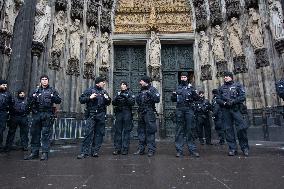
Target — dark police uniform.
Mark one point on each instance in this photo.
(95, 123)
(42, 106)
(185, 96)
(6, 102)
(18, 117)
(123, 102)
(231, 96)
(218, 120)
(202, 110)
(147, 126)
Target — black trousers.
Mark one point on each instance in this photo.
(23, 124)
(41, 131)
(203, 127)
(122, 128)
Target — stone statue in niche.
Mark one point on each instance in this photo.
(92, 46)
(155, 56)
(75, 40)
(1, 4)
(254, 29)
(203, 49)
(105, 48)
(235, 37)
(276, 19)
(59, 39)
(59, 32)
(42, 21)
(218, 44)
(11, 12)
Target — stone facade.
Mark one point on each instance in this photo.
(72, 41)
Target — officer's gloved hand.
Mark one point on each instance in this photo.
(229, 103)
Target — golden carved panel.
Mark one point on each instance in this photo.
(142, 16)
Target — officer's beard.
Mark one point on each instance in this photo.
(2, 89)
(184, 83)
(21, 97)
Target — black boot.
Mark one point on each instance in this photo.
(44, 156)
(116, 152)
(232, 153)
(31, 156)
(139, 152)
(194, 154)
(246, 152)
(179, 154)
(82, 156)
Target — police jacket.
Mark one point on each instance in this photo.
(44, 99)
(203, 106)
(147, 98)
(124, 99)
(6, 101)
(231, 94)
(99, 103)
(20, 107)
(216, 109)
(184, 95)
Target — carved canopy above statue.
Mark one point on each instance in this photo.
(165, 16)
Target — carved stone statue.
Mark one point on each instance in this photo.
(155, 56)
(75, 39)
(235, 37)
(105, 48)
(42, 21)
(59, 32)
(155, 49)
(92, 46)
(203, 48)
(12, 8)
(218, 44)
(1, 4)
(276, 19)
(254, 29)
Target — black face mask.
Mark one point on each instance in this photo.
(183, 82)
(2, 89)
(21, 98)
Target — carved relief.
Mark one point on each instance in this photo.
(166, 16)
(155, 56)
(37, 48)
(218, 44)
(5, 43)
(254, 29)
(107, 3)
(215, 12)
(240, 64)
(92, 13)
(42, 21)
(201, 18)
(261, 58)
(222, 67)
(235, 37)
(11, 11)
(73, 67)
(197, 3)
(106, 21)
(233, 8)
(60, 5)
(89, 71)
(59, 38)
(1, 5)
(206, 72)
(279, 45)
(203, 49)
(276, 19)
(77, 8)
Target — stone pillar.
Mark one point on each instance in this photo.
(21, 60)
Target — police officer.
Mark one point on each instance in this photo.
(96, 100)
(147, 127)
(203, 108)
(6, 103)
(123, 102)
(185, 96)
(217, 117)
(42, 101)
(19, 117)
(231, 97)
